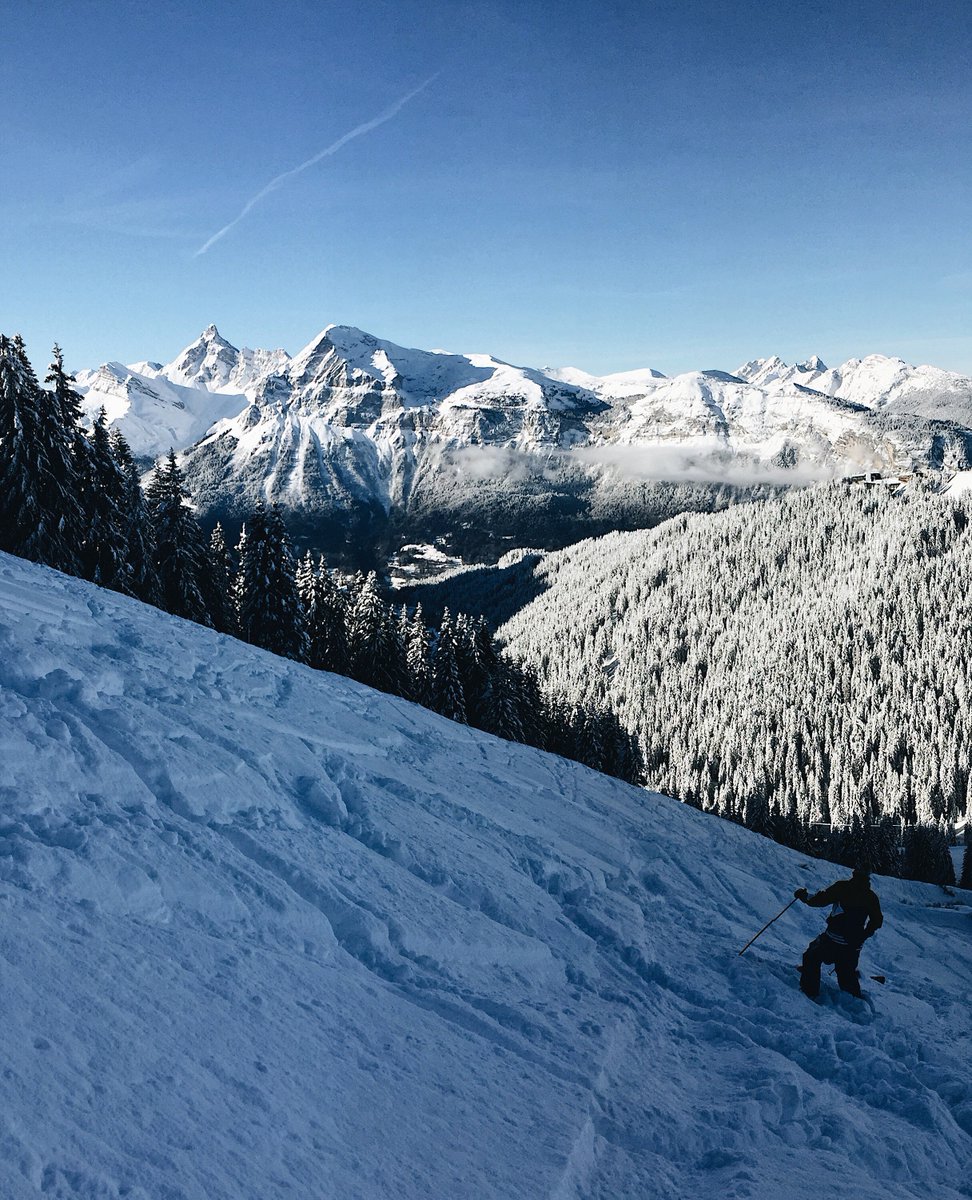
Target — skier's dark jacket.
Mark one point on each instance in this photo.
(856, 911)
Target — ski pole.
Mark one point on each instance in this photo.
(766, 926)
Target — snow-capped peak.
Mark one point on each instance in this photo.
(336, 355)
(342, 357)
(812, 364)
(619, 385)
(213, 364)
(206, 363)
(760, 371)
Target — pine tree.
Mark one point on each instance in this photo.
(757, 816)
(238, 587)
(20, 512)
(39, 517)
(927, 857)
(217, 582)
(58, 428)
(418, 657)
(793, 832)
(136, 575)
(944, 866)
(589, 737)
(446, 693)
(65, 393)
(966, 877)
(293, 636)
(396, 673)
(366, 616)
(532, 707)
(306, 578)
(887, 847)
(333, 626)
(68, 401)
(325, 616)
(375, 648)
(102, 489)
(861, 851)
(179, 546)
(621, 757)
(478, 660)
(500, 710)
(268, 608)
(559, 727)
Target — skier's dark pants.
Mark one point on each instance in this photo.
(823, 950)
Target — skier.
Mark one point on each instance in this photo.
(855, 916)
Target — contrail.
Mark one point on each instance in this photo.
(332, 149)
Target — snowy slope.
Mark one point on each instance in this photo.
(153, 413)
(960, 483)
(265, 933)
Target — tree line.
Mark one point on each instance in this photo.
(800, 666)
(71, 498)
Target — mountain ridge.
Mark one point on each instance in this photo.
(356, 424)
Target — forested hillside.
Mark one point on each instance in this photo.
(790, 664)
(71, 498)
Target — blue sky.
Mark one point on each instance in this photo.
(677, 185)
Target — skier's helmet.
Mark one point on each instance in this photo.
(862, 874)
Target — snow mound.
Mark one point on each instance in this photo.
(266, 932)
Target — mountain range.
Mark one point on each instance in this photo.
(354, 424)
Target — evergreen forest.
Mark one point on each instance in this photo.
(72, 499)
(800, 665)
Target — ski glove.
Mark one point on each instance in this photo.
(801, 894)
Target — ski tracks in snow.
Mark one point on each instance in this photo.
(541, 941)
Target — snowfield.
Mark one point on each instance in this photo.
(266, 933)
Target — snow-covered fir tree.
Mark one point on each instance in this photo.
(39, 513)
(927, 856)
(810, 651)
(217, 582)
(179, 546)
(375, 650)
(63, 386)
(103, 492)
(418, 656)
(136, 575)
(501, 714)
(447, 693)
(326, 615)
(268, 607)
